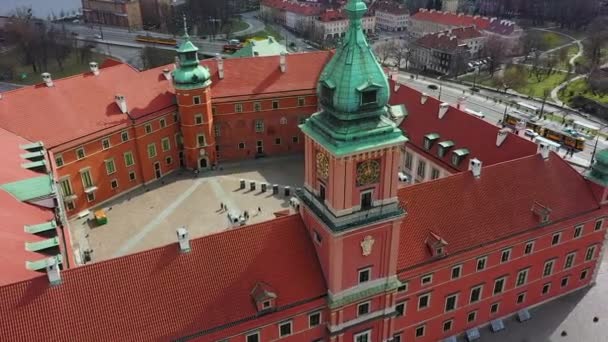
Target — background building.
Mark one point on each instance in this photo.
(391, 16)
(333, 24)
(125, 13)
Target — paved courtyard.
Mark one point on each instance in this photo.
(148, 216)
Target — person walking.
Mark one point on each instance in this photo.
(221, 206)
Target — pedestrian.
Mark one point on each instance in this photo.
(221, 206)
(259, 210)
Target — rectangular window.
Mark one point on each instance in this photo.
(481, 263)
(456, 271)
(584, 274)
(546, 288)
(447, 325)
(196, 100)
(499, 285)
(365, 336)
(66, 187)
(403, 287)
(421, 172)
(451, 302)
(257, 106)
(472, 316)
(555, 238)
(529, 248)
(238, 107)
(241, 145)
(166, 144)
(124, 136)
(58, 160)
(295, 139)
(521, 297)
(476, 294)
(548, 268)
(200, 140)
(569, 260)
(105, 144)
(522, 277)
(129, 159)
(275, 104)
(259, 126)
(151, 150)
(578, 231)
(110, 167)
(213, 110)
(277, 141)
(363, 309)
(424, 301)
(168, 160)
(87, 180)
(598, 225)
(90, 197)
(198, 119)
(70, 205)
(408, 160)
(254, 337)
(564, 281)
(505, 255)
(80, 153)
(426, 279)
(114, 183)
(132, 176)
(494, 308)
(400, 308)
(217, 130)
(148, 128)
(365, 275)
(420, 331)
(314, 319)
(369, 97)
(162, 122)
(301, 101)
(284, 329)
(590, 253)
(434, 173)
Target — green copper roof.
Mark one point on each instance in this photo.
(41, 227)
(353, 92)
(189, 74)
(41, 264)
(40, 245)
(599, 169)
(264, 47)
(31, 188)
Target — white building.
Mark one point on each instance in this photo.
(391, 16)
(333, 24)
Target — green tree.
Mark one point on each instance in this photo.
(152, 57)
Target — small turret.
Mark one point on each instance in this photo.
(189, 74)
(598, 176)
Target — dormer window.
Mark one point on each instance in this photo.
(264, 297)
(542, 212)
(458, 155)
(444, 147)
(437, 245)
(327, 92)
(369, 97)
(429, 140)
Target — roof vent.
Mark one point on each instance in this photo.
(443, 108)
(543, 149)
(501, 136)
(121, 101)
(220, 66)
(423, 98)
(52, 271)
(475, 167)
(283, 61)
(46, 77)
(167, 74)
(94, 68)
(183, 239)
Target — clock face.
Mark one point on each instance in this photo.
(368, 172)
(322, 165)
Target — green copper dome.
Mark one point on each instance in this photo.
(189, 74)
(599, 169)
(353, 92)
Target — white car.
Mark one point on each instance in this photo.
(530, 133)
(98, 36)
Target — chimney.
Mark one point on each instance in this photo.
(176, 62)
(423, 98)
(283, 61)
(183, 239)
(121, 101)
(475, 167)
(46, 77)
(443, 108)
(52, 271)
(167, 74)
(501, 136)
(543, 149)
(94, 68)
(461, 101)
(220, 66)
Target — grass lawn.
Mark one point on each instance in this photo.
(263, 34)
(580, 87)
(71, 66)
(531, 88)
(239, 25)
(553, 40)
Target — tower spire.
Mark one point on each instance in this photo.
(185, 27)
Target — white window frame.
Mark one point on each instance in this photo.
(573, 255)
(404, 304)
(84, 153)
(195, 98)
(312, 314)
(408, 160)
(526, 272)
(369, 308)
(497, 308)
(134, 178)
(369, 275)
(426, 276)
(82, 178)
(278, 105)
(198, 141)
(421, 168)
(542, 292)
(559, 238)
(445, 306)
(584, 274)
(290, 323)
(198, 119)
(257, 106)
(148, 128)
(480, 287)
(59, 157)
(367, 333)
(548, 262)
(69, 183)
(90, 197)
(451, 321)
(162, 144)
(578, 229)
(404, 286)
(257, 333)
(148, 150)
(258, 125)
(428, 302)
(502, 253)
(531, 244)
(110, 162)
(112, 182)
(238, 107)
(459, 267)
(125, 158)
(592, 250)
(485, 263)
(561, 281)
(595, 227)
(474, 312)
(162, 122)
(435, 173)
(301, 101)
(423, 326)
(105, 141)
(122, 136)
(503, 286)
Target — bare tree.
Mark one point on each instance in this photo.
(513, 77)
(384, 52)
(597, 36)
(494, 50)
(401, 53)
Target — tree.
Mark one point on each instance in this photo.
(400, 52)
(152, 57)
(495, 51)
(597, 36)
(514, 77)
(384, 51)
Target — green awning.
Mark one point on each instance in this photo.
(34, 164)
(461, 152)
(432, 136)
(40, 245)
(31, 188)
(41, 264)
(33, 155)
(446, 144)
(41, 227)
(35, 146)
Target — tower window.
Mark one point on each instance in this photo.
(369, 97)
(365, 275)
(327, 95)
(196, 100)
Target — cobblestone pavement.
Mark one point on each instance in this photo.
(148, 216)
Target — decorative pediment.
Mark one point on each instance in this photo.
(368, 85)
(541, 211)
(436, 244)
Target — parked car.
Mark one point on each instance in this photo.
(433, 86)
(98, 36)
(530, 133)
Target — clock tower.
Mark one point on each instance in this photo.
(349, 199)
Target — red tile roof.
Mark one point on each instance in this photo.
(504, 27)
(449, 39)
(456, 126)
(14, 214)
(491, 207)
(390, 7)
(293, 6)
(162, 294)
